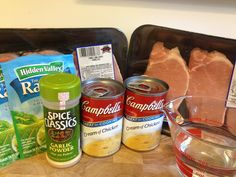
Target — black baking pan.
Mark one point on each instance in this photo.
(145, 36)
(64, 40)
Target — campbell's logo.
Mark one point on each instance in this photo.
(153, 106)
(98, 111)
(138, 105)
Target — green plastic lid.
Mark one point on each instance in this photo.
(54, 86)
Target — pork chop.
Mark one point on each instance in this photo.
(7, 56)
(210, 74)
(49, 52)
(42, 52)
(168, 65)
(118, 75)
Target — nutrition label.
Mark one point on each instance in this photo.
(95, 61)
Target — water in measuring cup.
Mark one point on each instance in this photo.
(202, 158)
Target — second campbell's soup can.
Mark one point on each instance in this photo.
(143, 119)
(102, 108)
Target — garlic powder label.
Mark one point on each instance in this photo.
(62, 133)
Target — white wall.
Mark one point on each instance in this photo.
(215, 17)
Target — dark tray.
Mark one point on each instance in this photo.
(144, 37)
(64, 40)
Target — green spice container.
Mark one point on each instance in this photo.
(60, 95)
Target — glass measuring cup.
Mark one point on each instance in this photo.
(203, 138)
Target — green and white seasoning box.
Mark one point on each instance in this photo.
(61, 94)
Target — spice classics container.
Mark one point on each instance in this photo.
(143, 120)
(102, 116)
(60, 95)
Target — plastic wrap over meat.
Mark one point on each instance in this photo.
(210, 74)
(162, 52)
(169, 66)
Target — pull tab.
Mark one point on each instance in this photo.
(142, 86)
(98, 92)
(63, 97)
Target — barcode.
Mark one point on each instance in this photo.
(98, 67)
(89, 51)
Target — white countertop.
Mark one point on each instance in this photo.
(215, 17)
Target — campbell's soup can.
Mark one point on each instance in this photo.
(143, 119)
(102, 108)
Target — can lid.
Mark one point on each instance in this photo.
(146, 85)
(59, 87)
(102, 88)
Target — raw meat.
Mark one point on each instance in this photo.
(7, 56)
(118, 75)
(43, 52)
(231, 120)
(168, 65)
(49, 52)
(210, 74)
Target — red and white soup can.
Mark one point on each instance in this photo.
(102, 106)
(143, 119)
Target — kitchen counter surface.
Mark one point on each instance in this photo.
(124, 163)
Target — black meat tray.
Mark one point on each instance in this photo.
(145, 36)
(64, 40)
